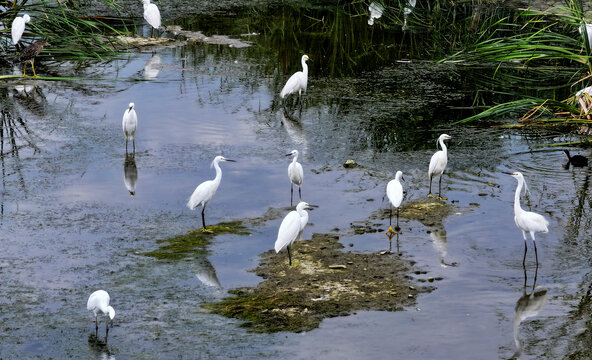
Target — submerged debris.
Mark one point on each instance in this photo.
(297, 298)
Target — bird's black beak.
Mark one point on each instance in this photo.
(313, 206)
(403, 178)
(507, 173)
(229, 160)
(290, 154)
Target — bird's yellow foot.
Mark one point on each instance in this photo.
(25, 75)
(430, 195)
(294, 263)
(390, 231)
(442, 198)
(205, 230)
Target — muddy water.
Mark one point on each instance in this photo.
(70, 226)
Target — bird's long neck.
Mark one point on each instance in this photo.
(517, 208)
(218, 177)
(304, 67)
(295, 159)
(443, 146)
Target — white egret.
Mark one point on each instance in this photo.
(527, 221)
(576, 160)
(204, 192)
(375, 10)
(18, 27)
(296, 174)
(129, 124)
(297, 82)
(438, 164)
(98, 301)
(151, 14)
(394, 192)
(291, 228)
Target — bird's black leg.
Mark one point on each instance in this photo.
(203, 217)
(430, 193)
(300, 192)
(440, 186)
(106, 331)
(397, 228)
(291, 194)
(126, 145)
(289, 256)
(134, 144)
(96, 327)
(525, 250)
(524, 268)
(536, 256)
(391, 216)
(536, 271)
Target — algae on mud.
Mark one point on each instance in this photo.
(327, 282)
(194, 241)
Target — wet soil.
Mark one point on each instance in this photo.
(324, 281)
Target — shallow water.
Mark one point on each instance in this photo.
(70, 226)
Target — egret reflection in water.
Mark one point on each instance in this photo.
(390, 236)
(439, 241)
(152, 67)
(205, 272)
(375, 10)
(130, 173)
(295, 131)
(527, 306)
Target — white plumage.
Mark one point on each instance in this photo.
(98, 302)
(291, 228)
(298, 81)
(438, 164)
(527, 221)
(130, 124)
(394, 192)
(204, 192)
(151, 14)
(296, 175)
(18, 27)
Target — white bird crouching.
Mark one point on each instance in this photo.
(130, 124)
(297, 82)
(98, 302)
(204, 192)
(291, 228)
(438, 163)
(394, 192)
(296, 175)
(18, 27)
(527, 221)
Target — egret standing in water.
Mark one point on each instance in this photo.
(18, 27)
(204, 192)
(394, 192)
(296, 174)
(438, 164)
(99, 302)
(129, 124)
(291, 228)
(297, 82)
(527, 221)
(151, 15)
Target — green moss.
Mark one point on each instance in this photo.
(194, 241)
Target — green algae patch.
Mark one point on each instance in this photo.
(195, 241)
(428, 211)
(326, 282)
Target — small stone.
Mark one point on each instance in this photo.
(350, 164)
(411, 288)
(337, 266)
(410, 296)
(431, 279)
(382, 252)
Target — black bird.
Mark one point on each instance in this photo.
(576, 160)
(28, 55)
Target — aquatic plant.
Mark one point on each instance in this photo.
(72, 33)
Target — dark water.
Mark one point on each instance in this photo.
(70, 226)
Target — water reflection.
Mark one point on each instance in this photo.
(205, 272)
(528, 305)
(390, 236)
(439, 241)
(152, 67)
(294, 129)
(130, 173)
(100, 348)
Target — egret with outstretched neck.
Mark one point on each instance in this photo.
(297, 82)
(527, 221)
(438, 164)
(204, 192)
(296, 175)
(97, 302)
(291, 228)
(394, 192)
